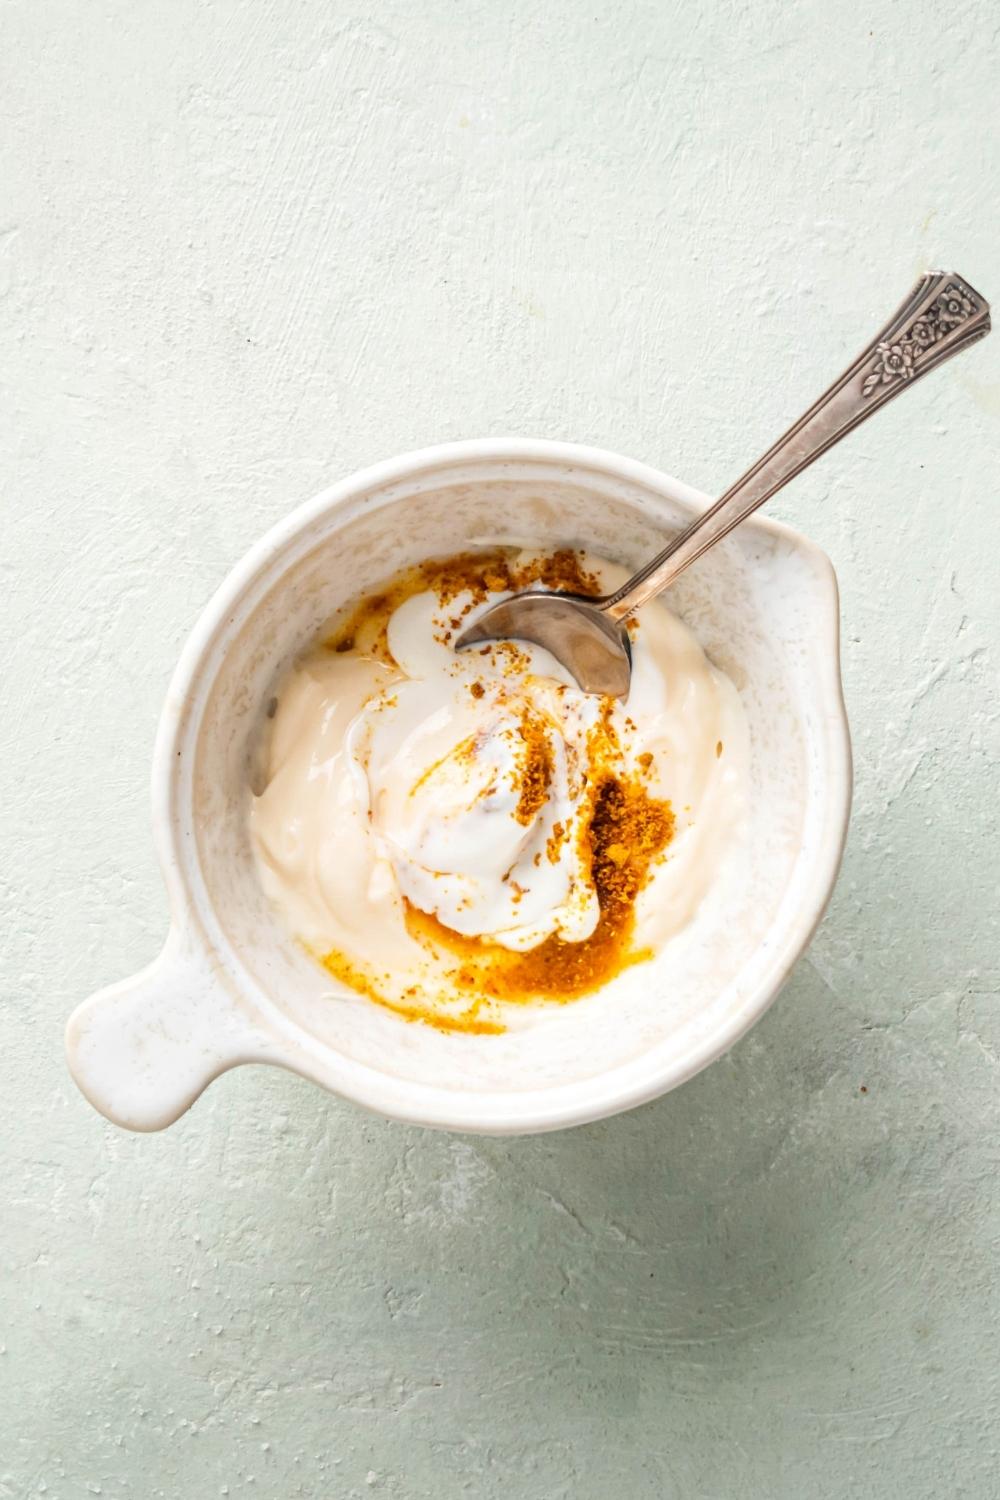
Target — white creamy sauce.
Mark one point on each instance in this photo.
(395, 785)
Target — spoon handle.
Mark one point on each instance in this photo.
(941, 315)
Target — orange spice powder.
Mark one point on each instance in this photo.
(627, 831)
(492, 571)
(410, 1008)
(533, 770)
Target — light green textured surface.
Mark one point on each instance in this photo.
(246, 247)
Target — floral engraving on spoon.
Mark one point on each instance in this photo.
(897, 358)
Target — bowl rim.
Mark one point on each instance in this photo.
(560, 1105)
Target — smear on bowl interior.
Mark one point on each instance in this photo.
(461, 836)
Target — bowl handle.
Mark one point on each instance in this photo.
(142, 1050)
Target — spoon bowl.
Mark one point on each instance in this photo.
(578, 632)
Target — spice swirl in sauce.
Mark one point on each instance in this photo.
(458, 836)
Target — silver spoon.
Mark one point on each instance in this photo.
(942, 315)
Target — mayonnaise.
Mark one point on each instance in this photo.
(461, 786)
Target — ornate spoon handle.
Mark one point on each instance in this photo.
(942, 315)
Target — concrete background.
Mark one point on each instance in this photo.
(246, 247)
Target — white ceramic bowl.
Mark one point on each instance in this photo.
(231, 986)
